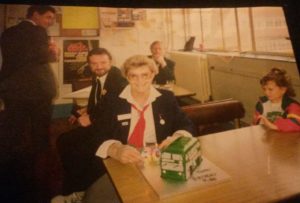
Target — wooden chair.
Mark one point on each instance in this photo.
(215, 116)
(80, 84)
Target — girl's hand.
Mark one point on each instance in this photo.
(267, 123)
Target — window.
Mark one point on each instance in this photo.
(270, 30)
(258, 29)
(229, 25)
(244, 29)
(212, 32)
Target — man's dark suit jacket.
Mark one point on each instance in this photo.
(165, 74)
(26, 74)
(113, 85)
(165, 108)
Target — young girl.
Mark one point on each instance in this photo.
(277, 110)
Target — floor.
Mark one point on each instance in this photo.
(52, 176)
(47, 172)
(51, 169)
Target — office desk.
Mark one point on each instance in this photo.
(85, 92)
(264, 166)
(178, 90)
(79, 94)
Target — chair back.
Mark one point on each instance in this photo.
(212, 116)
(80, 84)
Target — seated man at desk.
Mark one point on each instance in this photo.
(165, 66)
(106, 79)
(76, 145)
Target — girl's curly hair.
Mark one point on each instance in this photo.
(281, 79)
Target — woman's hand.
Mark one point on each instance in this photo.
(267, 123)
(125, 153)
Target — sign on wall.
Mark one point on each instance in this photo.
(121, 17)
(79, 21)
(75, 66)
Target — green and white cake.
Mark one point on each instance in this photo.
(180, 159)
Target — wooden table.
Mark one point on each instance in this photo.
(264, 166)
(85, 92)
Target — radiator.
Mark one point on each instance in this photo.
(191, 72)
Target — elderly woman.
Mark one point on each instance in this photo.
(141, 114)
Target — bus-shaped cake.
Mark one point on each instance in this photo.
(180, 159)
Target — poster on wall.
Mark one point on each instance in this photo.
(75, 52)
(125, 17)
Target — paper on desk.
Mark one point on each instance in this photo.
(79, 94)
(206, 174)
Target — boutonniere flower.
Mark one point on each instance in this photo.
(103, 92)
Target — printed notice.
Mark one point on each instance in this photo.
(205, 175)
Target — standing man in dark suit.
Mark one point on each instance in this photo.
(77, 148)
(165, 66)
(27, 87)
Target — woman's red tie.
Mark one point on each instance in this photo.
(137, 137)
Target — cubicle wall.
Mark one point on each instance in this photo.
(191, 72)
